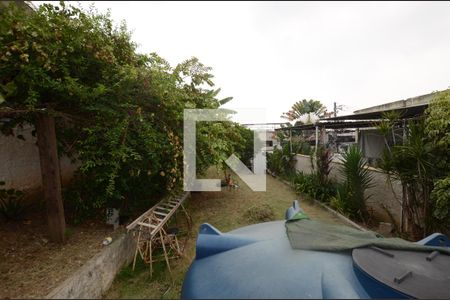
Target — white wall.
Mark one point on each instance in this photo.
(19, 162)
(382, 193)
(268, 135)
(303, 163)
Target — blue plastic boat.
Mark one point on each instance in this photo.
(258, 261)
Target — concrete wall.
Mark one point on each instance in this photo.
(19, 162)
(382, 193)
(268, 135)
(303, 163)
(95, 277)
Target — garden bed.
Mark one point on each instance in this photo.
(373, 224)
(31, 266)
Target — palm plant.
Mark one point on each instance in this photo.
(412, 164)
(421, 163)
(304, 107)
(357, 180)
(386, 126)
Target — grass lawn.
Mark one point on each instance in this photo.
(225, 210)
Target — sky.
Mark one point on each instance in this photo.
(268, 55)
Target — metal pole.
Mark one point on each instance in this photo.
(290, 141)
(404, 131)
(357, 136)
(317, 139)
(335, 144)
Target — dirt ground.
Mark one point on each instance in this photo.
(225, 210)
(31, 266)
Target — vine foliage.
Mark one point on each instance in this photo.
(119, 113)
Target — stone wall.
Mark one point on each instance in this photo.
(384, 196)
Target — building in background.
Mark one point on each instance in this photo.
(267, 132)
(361, 127)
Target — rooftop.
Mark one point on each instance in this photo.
(410, 107)
(369, 117)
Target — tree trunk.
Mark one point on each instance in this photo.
(51, 178)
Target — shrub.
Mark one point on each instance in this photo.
(440, 196)
(282, 161)
(11, 203)
(304, 148)
(437, 130)
(84, 71)
(260, 213)
(119, 113)
(342, 201)
(310, 185)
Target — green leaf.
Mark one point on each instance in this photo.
(225, 100)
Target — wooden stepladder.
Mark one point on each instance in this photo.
(152, 233)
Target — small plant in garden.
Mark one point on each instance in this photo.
(342, 202)
(260, 213)
(304, 148)
(11, 203)
(317, 185)
(351, 195)
(309, 184)
(282, 161)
